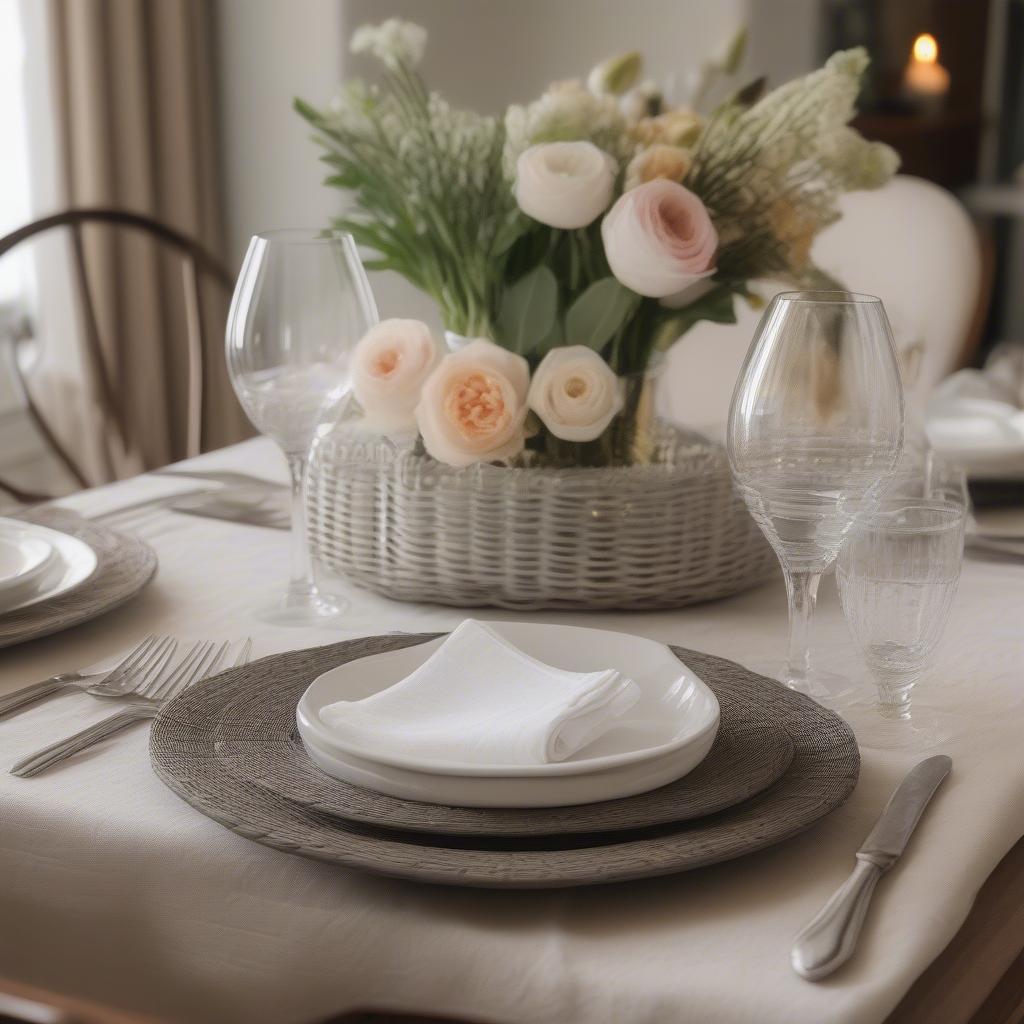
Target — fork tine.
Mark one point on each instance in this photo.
(215, 665)
(195, 656)
(203, 670)
(154, 660)
(131, 659)
(157, 669)
(245, 653)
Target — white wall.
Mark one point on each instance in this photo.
(270, 51)
(481, 53)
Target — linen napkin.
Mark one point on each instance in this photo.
(980, 409)
(478, 699)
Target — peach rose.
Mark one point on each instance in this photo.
(659, 239)
(473, 406)
(389, 365)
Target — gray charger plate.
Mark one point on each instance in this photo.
(823, 773)
(254, 736)
(124, 565)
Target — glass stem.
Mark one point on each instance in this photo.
(301, 584)
(802, 591)
(894, 693)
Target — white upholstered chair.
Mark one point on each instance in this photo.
(910, 243)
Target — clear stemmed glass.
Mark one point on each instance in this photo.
(301, 303)
(898, 572)
(815, 430)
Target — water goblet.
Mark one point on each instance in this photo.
(815, 429)
(898, 572)
(301, 303)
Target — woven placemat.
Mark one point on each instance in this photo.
(124, 565)
(824, 770)
(252, 731)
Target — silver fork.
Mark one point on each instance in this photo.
(101, 679)
(200, 662)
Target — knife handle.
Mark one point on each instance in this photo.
(829, 940)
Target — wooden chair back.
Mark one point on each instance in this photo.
(196, 264)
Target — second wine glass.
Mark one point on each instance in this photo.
(815, 429)
(301, 304)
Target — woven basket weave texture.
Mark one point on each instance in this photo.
(661, 535)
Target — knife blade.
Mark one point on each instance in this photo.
(831, 937)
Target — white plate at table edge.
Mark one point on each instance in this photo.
(666, 684)
(73, 563)
(32, 553)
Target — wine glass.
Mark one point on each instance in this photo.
(815, 430)
(301, 303)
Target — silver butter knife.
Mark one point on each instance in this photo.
(829, 940)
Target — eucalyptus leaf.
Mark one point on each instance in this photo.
(555, 338)
(751, 92)
(528, 310)
(735, 52)
(717, 306)
(598, 313)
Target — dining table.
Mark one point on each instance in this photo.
(116, 892)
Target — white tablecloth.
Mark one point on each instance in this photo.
(113, 889)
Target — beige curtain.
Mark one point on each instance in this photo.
(135, 107)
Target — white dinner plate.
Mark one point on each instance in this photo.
(665, 736)
(25, 554)
(72, 562)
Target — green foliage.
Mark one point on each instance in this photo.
(770, 172)
(717, 305)
(528, 311)
(598, 313)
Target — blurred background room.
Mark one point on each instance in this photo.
(180, 111)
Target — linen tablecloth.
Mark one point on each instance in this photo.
(113, 889)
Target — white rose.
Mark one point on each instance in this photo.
(564, 184)
(473, 406)
(389, 366)
(659, 239)
(575, 393)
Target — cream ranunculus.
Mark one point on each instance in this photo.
(575, 393)
(659, 161)
(564, 184)
(473, 406)
(659, 239)
(389, 366)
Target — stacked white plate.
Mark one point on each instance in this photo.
(666, 734)
(37, 564)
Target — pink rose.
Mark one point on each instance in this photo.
(659, 239)
(389, 366)
(473, 406)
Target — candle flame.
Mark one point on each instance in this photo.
(926, 49)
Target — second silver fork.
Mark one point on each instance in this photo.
(201, 661)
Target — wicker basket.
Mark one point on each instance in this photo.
(661, 535)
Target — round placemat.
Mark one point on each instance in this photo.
(824, 770)
(253, 734)
(124, 565)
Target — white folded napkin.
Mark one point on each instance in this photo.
(478, 699)
(979, 410)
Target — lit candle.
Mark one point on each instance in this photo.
(926, 81)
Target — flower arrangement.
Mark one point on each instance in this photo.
(575, 238)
